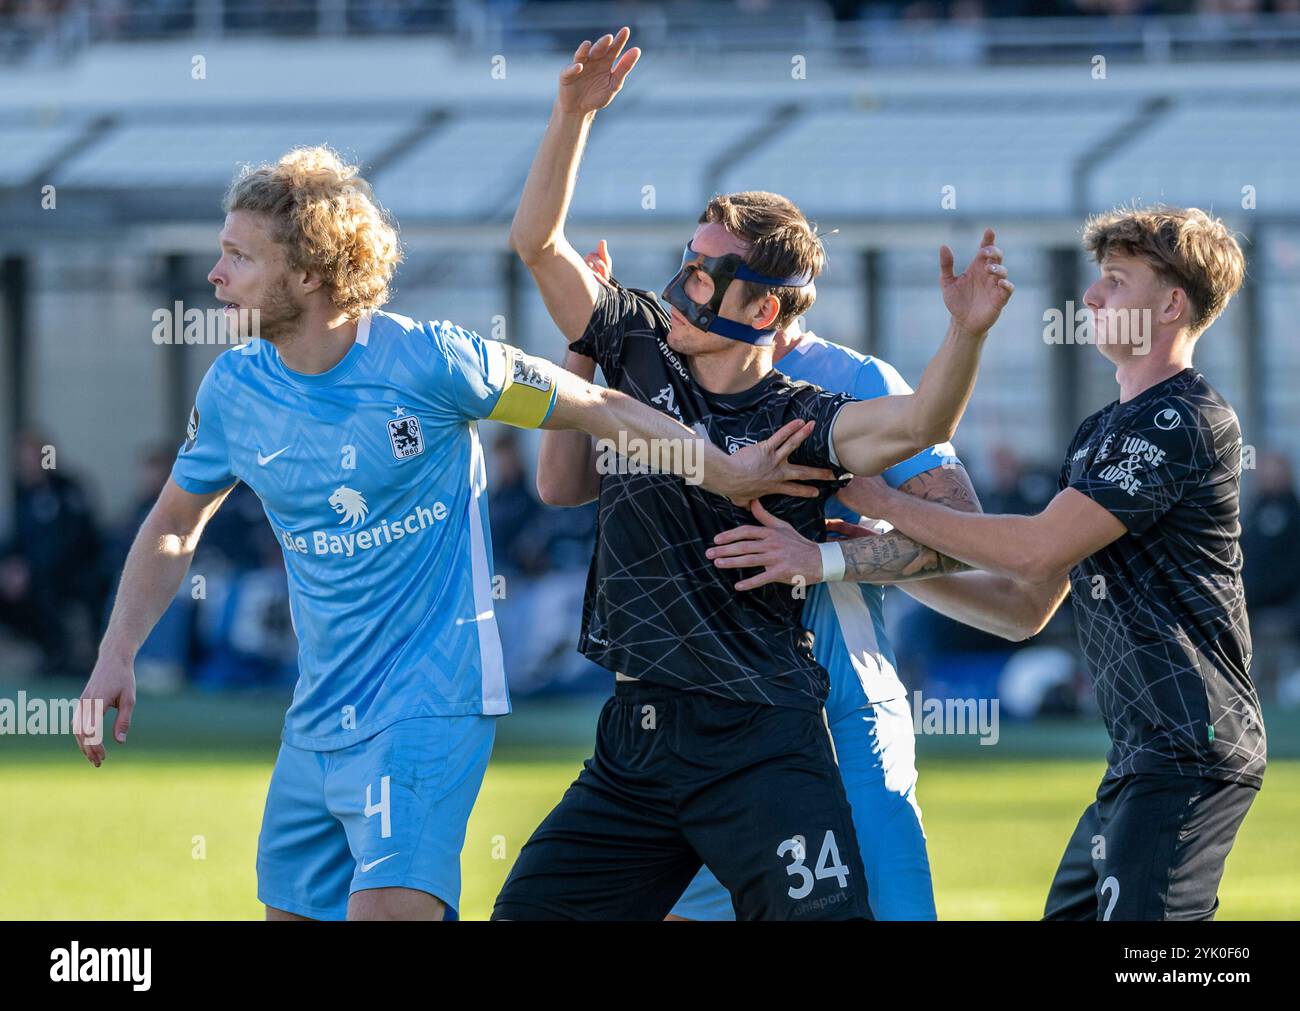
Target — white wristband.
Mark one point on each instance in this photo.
(832, 561)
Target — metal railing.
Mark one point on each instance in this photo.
(723, 32)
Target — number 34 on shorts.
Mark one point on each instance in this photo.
(828, 865)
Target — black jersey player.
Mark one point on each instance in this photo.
(714, 747)
(1144, 534)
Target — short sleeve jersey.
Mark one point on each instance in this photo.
(372, 476)
(1161, 612)
(656, 608)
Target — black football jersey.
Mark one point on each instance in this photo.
(656, 608)
(1161, 612)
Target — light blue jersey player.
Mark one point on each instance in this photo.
(372, 477)
(867, 709)
(357, 430)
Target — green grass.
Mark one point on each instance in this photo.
(120, 841)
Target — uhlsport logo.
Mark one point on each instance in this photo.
(1168, 419)
(349, 504)
(352, 509)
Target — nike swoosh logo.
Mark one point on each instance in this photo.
(373, 863)
(262, 461)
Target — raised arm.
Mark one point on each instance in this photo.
(871, 435)
(159, 558)
(566, 462)
(537, 233)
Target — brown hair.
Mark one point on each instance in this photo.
(327, 218)
(781, 244)
(1184, 246)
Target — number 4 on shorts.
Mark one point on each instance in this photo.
(828, 864)
(382, 808)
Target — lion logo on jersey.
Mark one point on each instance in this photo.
(349, 504)
(405, 436)
(527, 373)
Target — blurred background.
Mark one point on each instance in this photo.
(895, 126)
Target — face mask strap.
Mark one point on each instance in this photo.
(722, 270)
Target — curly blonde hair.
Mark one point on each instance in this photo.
(327, 218)
(1186, 248)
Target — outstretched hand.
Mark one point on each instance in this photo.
(977, 295)
(597, 73)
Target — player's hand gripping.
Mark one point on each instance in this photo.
(869, 496)
(597, 73)
(765, 468)
(976, 296)
(784, 554)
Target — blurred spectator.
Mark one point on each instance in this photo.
(953, 30)
(1014, 488)
(244, 635)
(519, 536)
(51, 570)
(947, 655)
(161, 662)
(571, 536)
(235, 596)
(1271, 573)
(238, 536)
(152, 470)
(287, 17)
(1270, 541)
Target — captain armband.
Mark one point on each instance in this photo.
(528, 393)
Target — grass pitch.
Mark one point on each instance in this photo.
(167, 828)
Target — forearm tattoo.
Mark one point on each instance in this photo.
(896, 558)
(893, 558)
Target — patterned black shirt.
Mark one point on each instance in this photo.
(656, 608)
(1161, 612)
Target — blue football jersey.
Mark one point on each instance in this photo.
(372, 477)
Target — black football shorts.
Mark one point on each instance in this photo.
(679, 779)
(1151, 847)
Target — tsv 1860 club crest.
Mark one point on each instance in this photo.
(405, 435)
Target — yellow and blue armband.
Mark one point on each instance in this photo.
(528, 392)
